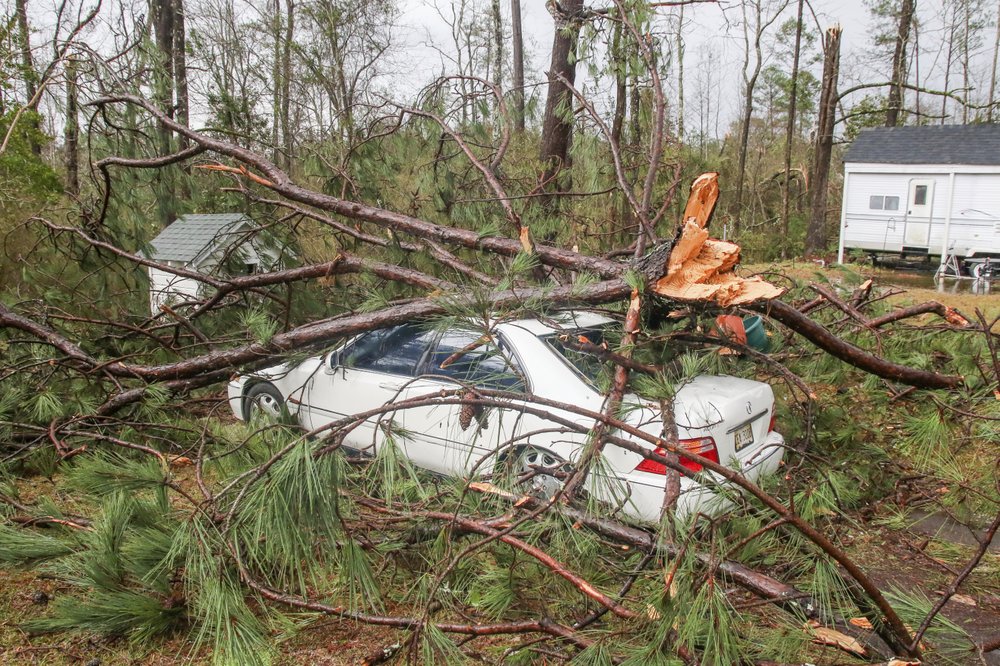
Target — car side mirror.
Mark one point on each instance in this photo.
(332, 361)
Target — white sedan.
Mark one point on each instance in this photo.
(725, 419)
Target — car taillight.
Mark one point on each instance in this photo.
(703, 446)
(774, 416)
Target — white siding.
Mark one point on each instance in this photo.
(975, 217)
(869, 229)
(166, 288)
(975, 214)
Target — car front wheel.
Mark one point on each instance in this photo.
(263, 401)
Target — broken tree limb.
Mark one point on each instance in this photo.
(951, 315)
(537, 553)
(840, 304)
(851, 354)
(398, 222)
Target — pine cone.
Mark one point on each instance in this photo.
(467, 414)
(468, 411)
(471, 411)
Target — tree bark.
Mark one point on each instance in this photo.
(823, 148)
(948, 61)
(163, 27)
(29, 76)
(517, 66)
(849, 353)
(276, 83)
(557, 123)
(286, 85)
(680, 72)
(790, 130)
(621, 88)
(179, 59)
(24, 44)
(899, 55)
(993, 69)
(966, 38)
(72, 129)
(497, 47)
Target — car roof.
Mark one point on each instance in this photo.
(573, 320)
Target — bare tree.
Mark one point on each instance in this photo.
(790, 129)
(28, 74)
(679, 40)
(993, 68)
(762, 14)
(71, 134)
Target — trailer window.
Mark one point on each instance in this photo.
(881, 202)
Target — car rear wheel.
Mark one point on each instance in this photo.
(534, 470)
(263, 401)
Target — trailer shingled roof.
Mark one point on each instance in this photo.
(929, 144)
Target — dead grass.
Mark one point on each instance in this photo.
(916, 287)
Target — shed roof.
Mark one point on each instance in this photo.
(190, 235)
(929, 144)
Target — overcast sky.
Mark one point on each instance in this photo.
(713, 39)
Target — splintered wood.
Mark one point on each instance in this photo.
(701, 268)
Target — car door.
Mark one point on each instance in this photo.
(474, 434)
(373, 371)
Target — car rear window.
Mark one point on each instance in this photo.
(587, 365)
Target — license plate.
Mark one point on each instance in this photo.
(744, 436)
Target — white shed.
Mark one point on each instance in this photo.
(210, 244)
(926, 190)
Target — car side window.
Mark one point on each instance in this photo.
(467, 357)
(393, 350)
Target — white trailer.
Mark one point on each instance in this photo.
(931, 191)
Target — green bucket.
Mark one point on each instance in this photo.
(756, 337)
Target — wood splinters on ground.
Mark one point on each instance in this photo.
(700, 268)
(832, 637)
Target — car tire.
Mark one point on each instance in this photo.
(263, 399)
(523, 465)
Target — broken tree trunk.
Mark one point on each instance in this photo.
(700, 268)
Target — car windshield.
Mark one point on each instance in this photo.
(573, 347)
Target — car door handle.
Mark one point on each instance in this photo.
(389, 387)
